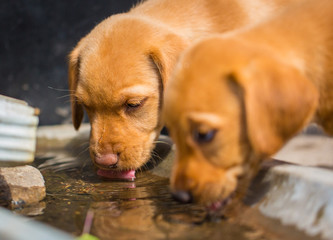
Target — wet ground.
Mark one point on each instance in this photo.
(79, 201)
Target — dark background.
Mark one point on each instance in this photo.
(36, 37)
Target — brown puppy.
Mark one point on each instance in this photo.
(236, 99)
(118, 71)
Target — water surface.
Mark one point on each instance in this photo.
(79, 201)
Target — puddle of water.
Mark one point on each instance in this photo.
(142, 209)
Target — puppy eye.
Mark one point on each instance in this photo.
(203, 137)
(133, 105)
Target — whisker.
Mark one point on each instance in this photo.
(85, 162)
(83, 151)
(141, 168)
(156, 156)
(60, 89)
(70, 100)
(144, 168)
(169, 144)
(67, 95)
(85, 143)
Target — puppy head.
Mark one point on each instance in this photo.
(227, 107)
(117, 74)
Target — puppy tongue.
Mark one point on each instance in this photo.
(219, 204)
(215, 206)
(126, 175)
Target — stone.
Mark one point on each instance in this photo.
(301, 196)
(20, 186)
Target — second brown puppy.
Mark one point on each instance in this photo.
(237, 99)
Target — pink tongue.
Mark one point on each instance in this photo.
(215, 206)
(127, 175)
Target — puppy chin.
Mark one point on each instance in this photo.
(216, 201)
(226, 189)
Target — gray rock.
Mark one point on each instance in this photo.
(301, 196)
(20, 186)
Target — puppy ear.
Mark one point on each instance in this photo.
(164, 59)
(166, 54)
(73, 78)
(279, 102)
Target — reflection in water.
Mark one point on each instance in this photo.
(142, 209)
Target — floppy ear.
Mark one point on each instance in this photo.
(73, 78)
(279, 102)
(166, 54)
(164, 59)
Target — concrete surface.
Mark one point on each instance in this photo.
(300, 195)
(13, 227)
(308, 150)
(60, 136)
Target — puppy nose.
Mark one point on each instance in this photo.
(109, 160)
(182, 196)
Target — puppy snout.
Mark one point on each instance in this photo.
(182, 196)
(109, 160)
